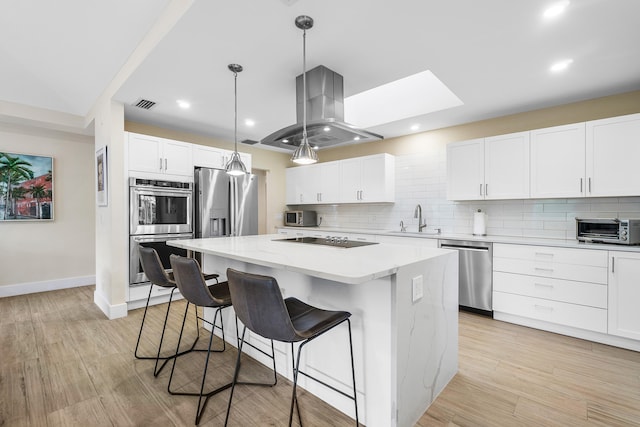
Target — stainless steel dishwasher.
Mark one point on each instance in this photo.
(475, 274)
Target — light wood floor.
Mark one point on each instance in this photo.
(62, 363)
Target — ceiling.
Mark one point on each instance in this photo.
(494, 55)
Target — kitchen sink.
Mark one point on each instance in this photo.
(415, 233)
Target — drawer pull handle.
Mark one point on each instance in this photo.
(543, 285)
(543, 269)
(544, 254)
(543, 308)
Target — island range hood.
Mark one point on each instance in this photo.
(325, 115)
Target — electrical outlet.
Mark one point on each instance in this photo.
(416, 287)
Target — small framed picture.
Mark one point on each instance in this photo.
(102, 167)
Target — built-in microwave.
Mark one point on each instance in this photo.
(608, 230)
(300, 218)
(160, 207)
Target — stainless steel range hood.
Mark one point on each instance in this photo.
(325, 115)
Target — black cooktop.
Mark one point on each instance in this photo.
(339, 242)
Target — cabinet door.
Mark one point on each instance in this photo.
(145, 153)
(329, 182)
(465, 170)
(506, 166)
(294, 184)
(377, 183)
(613, 150)
(558, 161)
(624, 294)
(208, 157)
(351, 174)
(177, 158)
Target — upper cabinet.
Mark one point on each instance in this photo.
(558, 162)
(368, 179)
(489, 168)
(153, 155)
(506, 166)
(612, 153)
(217, 158)
(592, 159)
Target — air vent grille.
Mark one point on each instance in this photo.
(145, 104)
(249, 141)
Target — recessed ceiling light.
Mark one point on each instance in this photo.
(561, 65)
(556, 9)
(357, 138)
(249, 122)
(286, 141)
(315, 147)
(183, 104)
(415, 127)
(326, 129)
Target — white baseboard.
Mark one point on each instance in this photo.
(111, 311)
(47, 285)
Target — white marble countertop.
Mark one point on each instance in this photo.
(517, 240)
(348, 265)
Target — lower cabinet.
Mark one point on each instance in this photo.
(624, 294)
(557, 285)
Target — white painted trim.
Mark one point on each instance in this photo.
(111, 311)
(47, 285)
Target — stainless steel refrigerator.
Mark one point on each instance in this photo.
(225, 205)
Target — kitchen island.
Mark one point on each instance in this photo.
(404, 305)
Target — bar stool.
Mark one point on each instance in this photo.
(155, 272)
(194, 289)
(259, 305)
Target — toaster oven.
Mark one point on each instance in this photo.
(608, 230)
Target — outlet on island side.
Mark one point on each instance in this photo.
(416, 287)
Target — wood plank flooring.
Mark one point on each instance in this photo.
(62, 363)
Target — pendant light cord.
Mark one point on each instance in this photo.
(304, 86)
(235, 97)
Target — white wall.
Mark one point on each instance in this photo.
(42, 255)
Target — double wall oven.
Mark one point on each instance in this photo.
(159, 211)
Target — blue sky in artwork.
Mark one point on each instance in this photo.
(39, 165)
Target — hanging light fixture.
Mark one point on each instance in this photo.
(235, 167)
(304, 154)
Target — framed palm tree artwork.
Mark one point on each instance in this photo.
(26, 187)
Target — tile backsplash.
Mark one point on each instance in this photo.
(421, 179)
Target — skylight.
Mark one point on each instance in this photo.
(411, 96)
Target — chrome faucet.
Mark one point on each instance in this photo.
(418, 214)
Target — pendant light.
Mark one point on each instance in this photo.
(304, 154)
(235, 167)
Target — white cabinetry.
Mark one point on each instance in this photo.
(558, 162)
(211, 157)
(465, 170)
(557, 285)
(152, 156)
(506, 166)
(490, 168)
(612, 153)
(624, 294)
(368, 179)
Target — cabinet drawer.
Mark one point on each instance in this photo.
(577, 316)
(547, 254)
(569, 291)
(580, 273)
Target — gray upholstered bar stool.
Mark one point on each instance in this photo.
(195, 290)
(259, 305)
(155, 272)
